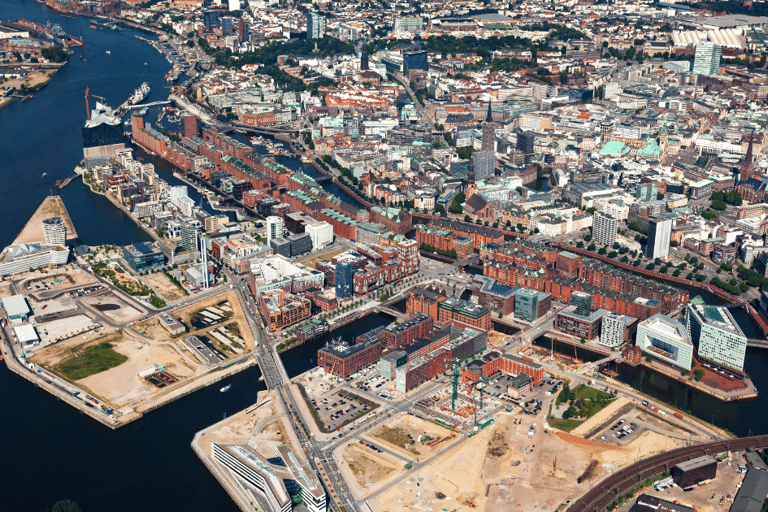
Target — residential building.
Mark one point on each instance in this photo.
(465, 312)
(659, 236)
(617, 329)
(55, 231)
(344, 280)
(604, 229)
(716, 335)
(274, 228)
(667, 340)
(281, 310)
(343, 360)
(315, 26)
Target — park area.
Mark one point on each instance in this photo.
(573, 406)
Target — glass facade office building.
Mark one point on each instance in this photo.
(666, 340)
(717, 336)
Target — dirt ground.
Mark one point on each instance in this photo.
(52, 206)
(452, 481)
(367, 466)
(52, 355)
(320, 257)
(164, 286)
(123, 314)
(400, 426)
(515, 471)
(496, 338)
(646, 444)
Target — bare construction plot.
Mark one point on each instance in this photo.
(414, 438)
(369, 467)
(505, 468)
(114, 308)
(164, 287)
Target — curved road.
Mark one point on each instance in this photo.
(623, 480)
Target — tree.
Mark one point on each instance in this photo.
(698, 374)
(591, 247)
(66, 506)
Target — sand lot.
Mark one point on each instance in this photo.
(164, 286)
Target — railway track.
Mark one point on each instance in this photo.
(615, 485)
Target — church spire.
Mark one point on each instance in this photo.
(489, 117)
(746, 167)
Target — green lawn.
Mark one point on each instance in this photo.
(587, 393)
(92, 360)
(565, 425)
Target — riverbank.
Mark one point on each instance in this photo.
(33, 82)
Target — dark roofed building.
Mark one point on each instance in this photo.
(646, 503)
(478, 207)
(690, 473)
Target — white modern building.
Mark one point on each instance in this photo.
(717, 336)
(665, 339)
(321, 234)
(25, 257)
(282, 485)
(274, 228)
(234, 5)
(55, 231)
(613, 329)
(604, 229)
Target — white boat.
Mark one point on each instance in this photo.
(140, 94)
(225, 388)
(108, 52)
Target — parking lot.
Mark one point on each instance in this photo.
(375, 384)
(339, 408)
(622, 431)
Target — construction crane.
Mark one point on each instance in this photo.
(87, 106)
(455, 365)
(100, 97)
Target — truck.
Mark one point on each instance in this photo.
(678, 415)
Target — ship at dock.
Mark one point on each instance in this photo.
(140, 94)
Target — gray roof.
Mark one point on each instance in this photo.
(753, 491)
(15, 305)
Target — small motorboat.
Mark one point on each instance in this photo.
(225, 388)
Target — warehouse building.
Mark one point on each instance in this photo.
(688, 474)
(16, 309)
